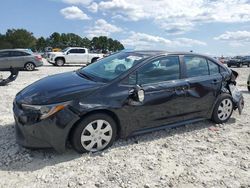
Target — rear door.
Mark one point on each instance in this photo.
(4, 64)
(16, 59)
(204, 80)
(83, 57)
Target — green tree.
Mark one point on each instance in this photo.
(20, 38)
(41, 44)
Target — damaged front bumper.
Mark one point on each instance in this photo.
(51, 132)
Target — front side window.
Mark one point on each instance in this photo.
(73, 51)
(165, 69)
(196, 66)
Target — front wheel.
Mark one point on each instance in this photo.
(94, 133)
(59, 62)
(223, 109)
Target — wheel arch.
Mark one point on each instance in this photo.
(94, 59)
(98, 111)
(60, 57)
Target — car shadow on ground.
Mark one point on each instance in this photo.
(17, 158)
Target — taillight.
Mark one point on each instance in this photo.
(38, 57)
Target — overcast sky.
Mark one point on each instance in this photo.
(205, 26)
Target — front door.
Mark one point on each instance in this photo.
(164, 93)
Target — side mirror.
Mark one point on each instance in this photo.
(67, 53)
(137, 94)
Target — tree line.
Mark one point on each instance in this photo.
(21, 38)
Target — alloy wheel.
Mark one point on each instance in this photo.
(225, 109)
(96, 135)
(29, 66)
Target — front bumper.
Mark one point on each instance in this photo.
(51, 132)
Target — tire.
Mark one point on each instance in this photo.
(248, 65)
(223, 109)
(229, 65)
(60, 62)
(239, 65)
(29, 66)
(97, 136)
(248, 87)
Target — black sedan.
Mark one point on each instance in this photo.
(124, 94)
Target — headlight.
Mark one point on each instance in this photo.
(46, 111)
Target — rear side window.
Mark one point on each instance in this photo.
(81, 51)
(165, 69)
(18, 54)
(213, 68)
(196, 66)
(4, 54)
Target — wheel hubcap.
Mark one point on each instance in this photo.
(96, 135)
(29, 66)
(225, 109)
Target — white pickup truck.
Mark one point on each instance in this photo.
(73, 55)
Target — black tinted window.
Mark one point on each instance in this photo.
(73, 51)
(4, 54)
(196, 66)
(213, 68)
(81, 51)
(18, 53)
(165, 69)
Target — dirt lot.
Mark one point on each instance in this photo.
(197, 155)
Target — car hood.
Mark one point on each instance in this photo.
(57, 88)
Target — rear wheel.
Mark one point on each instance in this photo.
(29, 66)
(229, 65)
(60, 62)
(94, 133)
(248, 87)
(223, 109)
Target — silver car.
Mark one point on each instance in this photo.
(20, 59)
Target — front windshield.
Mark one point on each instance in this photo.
(113, 66)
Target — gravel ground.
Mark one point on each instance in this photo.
(197, 155)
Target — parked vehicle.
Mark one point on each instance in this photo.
(73, 55)
(248, 83)
(246, 60)
(145, 91)
(19, 59)
(236, 61)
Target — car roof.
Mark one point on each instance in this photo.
(21, 50)
(159, 52)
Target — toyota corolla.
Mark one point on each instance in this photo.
(127, 93)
